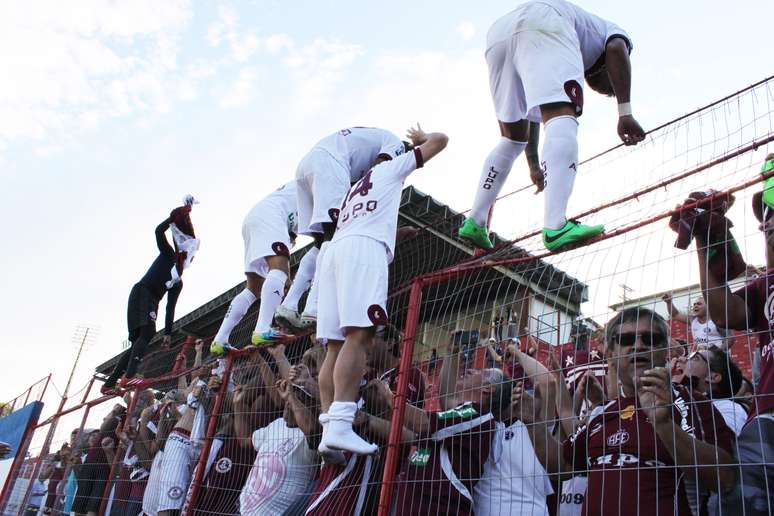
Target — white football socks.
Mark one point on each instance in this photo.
(236, 311)
(272, 292)
(339, 435)
(328, 455)
(560, 155)
(496, 168)
(303, 279)
(311, 299)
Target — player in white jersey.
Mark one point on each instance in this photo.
(705, 332)
(324, 177)
(538, 56)
(353, 287)
(269, 231)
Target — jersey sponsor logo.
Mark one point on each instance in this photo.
(619, 438)
(175, 492)
(377, 315)
(419, 457)
(280, 249)
(464, 412)
(223, 465)
(622, 460)
(574, 93)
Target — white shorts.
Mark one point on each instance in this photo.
(322, 184)
(534, 58)
(265, 236)
(150, 499)
(352, 289)
(179, 459)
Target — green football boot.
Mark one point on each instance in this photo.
(572, 232)
(477, 235)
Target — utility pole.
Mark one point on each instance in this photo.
(625, 289)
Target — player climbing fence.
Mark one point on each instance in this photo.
(495, 350)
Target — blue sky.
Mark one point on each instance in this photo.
(110, 113)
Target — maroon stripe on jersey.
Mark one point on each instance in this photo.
(341, 489)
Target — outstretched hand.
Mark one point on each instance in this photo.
(629, 130)
(416, 135)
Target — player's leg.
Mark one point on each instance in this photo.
(287, 312)
(328, 331)
(551, 70)
(361, 270)
(508, 98)
(236, 312)
(272, 293)
(309, 317)
(139, 347)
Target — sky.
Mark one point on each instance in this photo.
(110, 112)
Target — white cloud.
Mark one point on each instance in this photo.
(242, 91)
(466, 30)
(75, 64)
(242, 44)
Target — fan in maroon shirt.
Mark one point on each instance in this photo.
(750, 309)
(642, 448)
(448, 458)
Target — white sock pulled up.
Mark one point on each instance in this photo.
(272, 292)
(497, 166)
(236, 311)
(560, 155)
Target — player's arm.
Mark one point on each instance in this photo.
(619, 71)
(161, 238)
(674, 313)
(428, 145)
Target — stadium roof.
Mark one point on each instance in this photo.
(435, 248)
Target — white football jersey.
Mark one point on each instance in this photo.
(370, 208)
(706, 334)
(593, 32)
(282, 200)
(283, 469)
(514, 481)
(357, 148)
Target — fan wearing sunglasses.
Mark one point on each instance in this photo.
(642, 446)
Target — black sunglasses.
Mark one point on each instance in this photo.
(650, 339)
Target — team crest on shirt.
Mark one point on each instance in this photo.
(627, 412)
(175, 492)
(223, 465)
(619, 438)
(419, 457)
(280, 249)
(152, 316)
(574, 92)
(377, 315)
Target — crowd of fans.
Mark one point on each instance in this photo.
(596, 431)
